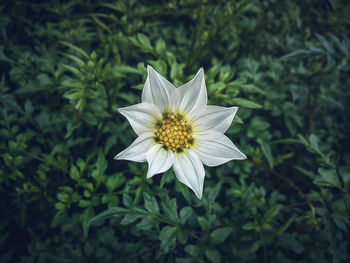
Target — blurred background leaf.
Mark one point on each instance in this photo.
(66, 66)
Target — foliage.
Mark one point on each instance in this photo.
(66, 66)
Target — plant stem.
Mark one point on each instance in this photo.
(290, 182)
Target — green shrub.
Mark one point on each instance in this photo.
(66, 66)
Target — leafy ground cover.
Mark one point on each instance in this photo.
(66, 66)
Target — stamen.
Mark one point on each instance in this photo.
(174, 133)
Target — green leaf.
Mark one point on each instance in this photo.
(265, 147)
(72, 83)
(168, 237)
(127, 200)
(290, 242)
(127, 69)
(166, 178)
(272, 213)
(214, 192)
(71, 95)
(101, 24)
(257, 244)
(115, 181)
(249, 226)
(143, 39)
(109, 213)
(129, 218)
(219, 235)
(77, 60)
(170, 209)
(81, 164)
(74, 173)
(238, 120)
(160, 46)
(344, 46)
(213, 255)
(246, 103)
(217, 87)
(314, 143)
(250, 88)
(60, 206)
(86, 228)
(182, 237)
(345, 175)
(28, 107)
(341, 221)
(282, 229)
(193, 250)
(204, 224)
(185, 214)
(327, 178)
(301, 54)
(151, 203)
(146, 223)
(73, 70)
(63, 197)
(325, 44)
(184, 191)
(84, 203)
(90, 119)
(75, 48)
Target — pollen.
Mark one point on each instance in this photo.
(174, 133)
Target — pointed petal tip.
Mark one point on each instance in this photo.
(189, 170)
(121, 110)
(150, 68)
(234, 108)
(200, 73)
(199, 195)
(241, 157)
(159, 160)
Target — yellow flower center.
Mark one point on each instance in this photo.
(174, 133)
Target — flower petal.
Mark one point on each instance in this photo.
(137, 150)
(159, 160)
(193, 96)
(214, 149)
(189, 170)
(159, 91)
(142, 116)
(214, 118)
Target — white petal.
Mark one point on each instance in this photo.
(159, 160)
(189, 170)
(214, 148)
(214, 118)
(137, 150)
(193, 96)
(142, 116)
(159, 91)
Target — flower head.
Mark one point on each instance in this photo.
(176, 128)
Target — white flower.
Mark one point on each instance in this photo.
(176, 128)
